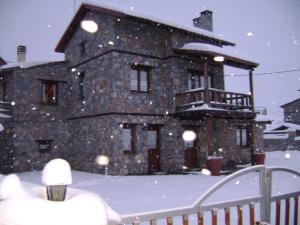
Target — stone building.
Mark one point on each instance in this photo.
(291, 111)
(128, 91)
(286, 135)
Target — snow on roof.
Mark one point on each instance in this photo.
(133, 12)
(276, 136)
(114, 9)
(225, 51)
(263, 118)
(1, 127)
(290, 127)
(26, 64)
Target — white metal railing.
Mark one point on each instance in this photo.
(199, 207)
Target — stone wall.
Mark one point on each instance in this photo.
(291, 112)
(290, 143)
(81, 128)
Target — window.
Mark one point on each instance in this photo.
(49, 92)
(242, 137)
(82, 48)
(196, 80)
(81, 84)
(44, 146)
(3, 91)
(140, 78)
(129, 137)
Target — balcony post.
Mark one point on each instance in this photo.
(253, 124)
(206, 93)
(251, 89)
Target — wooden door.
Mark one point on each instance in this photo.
(190, 154)
(153, 143)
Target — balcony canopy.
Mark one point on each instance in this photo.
(231, 58)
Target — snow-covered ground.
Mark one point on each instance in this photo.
(132, 194)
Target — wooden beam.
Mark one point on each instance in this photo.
(253, 124)
(206, 92)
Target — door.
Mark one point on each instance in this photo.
(153, 149)
(190, 154)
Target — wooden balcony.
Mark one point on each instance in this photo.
(218, 99)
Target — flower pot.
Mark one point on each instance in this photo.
(214, 164)
(259, 158)
(56, 192)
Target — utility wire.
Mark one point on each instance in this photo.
(266, 73)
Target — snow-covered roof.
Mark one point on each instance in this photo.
(229, 53)
(289, 127)
(26, 64)
(291, 102)
(122, 12)
(263, 118)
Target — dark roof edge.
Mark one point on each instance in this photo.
(282, 106)
(86, 6)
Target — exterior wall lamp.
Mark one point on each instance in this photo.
(89, 26)
(219, 58)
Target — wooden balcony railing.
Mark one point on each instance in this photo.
(216, 98)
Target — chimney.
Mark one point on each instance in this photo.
(205, 21)
(21, 53)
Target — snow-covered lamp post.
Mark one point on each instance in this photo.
(57, 176)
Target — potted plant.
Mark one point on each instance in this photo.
(214, 162)
(259, 157)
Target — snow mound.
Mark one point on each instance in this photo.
(19, 207)
(57, 172)
(10, 186)
(84, 208)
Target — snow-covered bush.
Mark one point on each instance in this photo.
(57, 172)
(19, 207)
(10, 186)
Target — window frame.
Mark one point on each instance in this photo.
(44, 141)
(82, 48)
(49, 82)
(139, 69)
(81, 78)
(240, 141)
(4, 90)
(200, 78)
(133, 138)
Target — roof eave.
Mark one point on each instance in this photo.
(60, 47)
(229, 60)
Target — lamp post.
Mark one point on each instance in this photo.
(57, 176)
(103, 161)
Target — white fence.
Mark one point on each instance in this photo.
(264, 199)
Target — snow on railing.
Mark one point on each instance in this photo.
(264, 199)
(219, 98)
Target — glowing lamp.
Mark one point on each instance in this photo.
(89, 26)
(189, 135)
(102, 160)
(219, 58)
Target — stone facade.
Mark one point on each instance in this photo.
(290, 142)
(88, 119)
(291, 111)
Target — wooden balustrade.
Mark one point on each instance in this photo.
(216, 98)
